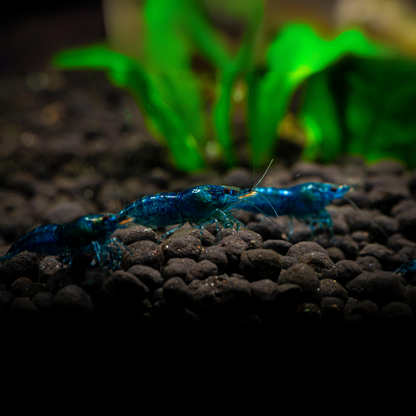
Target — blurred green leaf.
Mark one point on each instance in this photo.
(363, 107)
(296, 53)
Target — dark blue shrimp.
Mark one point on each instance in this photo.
(406, 267)
(200, 206)
(306, 202)
(90, 233)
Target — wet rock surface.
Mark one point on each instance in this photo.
(248, 287)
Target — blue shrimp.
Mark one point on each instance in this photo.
(90, 233)
(200, 206)
(306, 202)
(410, 266)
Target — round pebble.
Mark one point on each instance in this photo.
(304, 277)
(146, 253)
(259, 264)
(183, 247)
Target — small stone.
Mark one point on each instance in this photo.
(321, 264)
(348, 246)
(300, 249)
(383, 288)
(260, 264)
(361, 236)
(150, 277)
(201, 271)
(20, 287)
(303, 276)
(233, 246)
(146, 253)
(335, 254)
(379, 251)
(390, 166)
(407, 223)
(355, 287)
(279, 246)
(385, 196)
(48, 268)
(183, 247)
(288, 262)
(207, 239)
(176, 267)
(215, 255)
(368, 263)
(333, 289)
(357, 220)
(266, 229)
(72, 301)
(347, 270)
(122, 286)
(24, 264)
(175, 292)
(368, 309)
(384, 226)
(205, 295)
(288, 295)
(254, 240)
(140, 233)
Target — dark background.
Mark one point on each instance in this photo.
(31, 33)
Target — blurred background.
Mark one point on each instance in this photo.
(234, 83)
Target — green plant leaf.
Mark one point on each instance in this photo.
(296, 53)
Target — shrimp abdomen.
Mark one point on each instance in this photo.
(156, 210)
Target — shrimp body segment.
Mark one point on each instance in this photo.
(84, 234)
(306, 202)
(199, 205)
(406, 267)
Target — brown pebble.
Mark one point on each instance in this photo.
(300, 249)
(182, 247)
(140, 233)
(146, 253)
(333, 289)
(321, 264)
(216, 255)
(303, 276)
(260, 264)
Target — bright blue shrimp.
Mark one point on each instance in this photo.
(90, 233)
(200, 206)
(305, 202)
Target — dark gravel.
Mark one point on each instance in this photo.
(247, 287)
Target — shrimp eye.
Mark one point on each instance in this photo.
(106, 217)
(227, 191)
(334, 188)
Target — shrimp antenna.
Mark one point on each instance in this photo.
(265, 173)
(367, 216)
(268, 216)
(254, 171)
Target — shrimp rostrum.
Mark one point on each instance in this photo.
(199, 205)
(305, 202)
(89, 233)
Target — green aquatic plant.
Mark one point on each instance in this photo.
(365, 107)
(197, 126)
